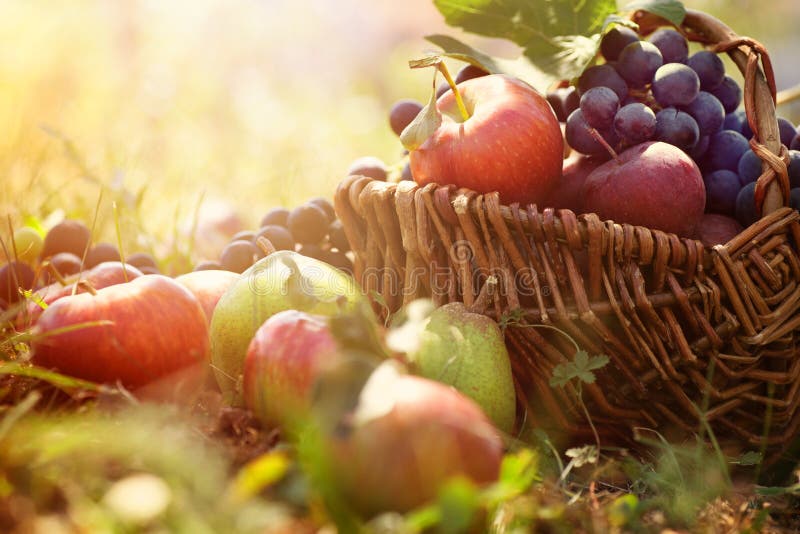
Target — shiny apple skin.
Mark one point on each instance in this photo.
(157, 327)
(511, 143)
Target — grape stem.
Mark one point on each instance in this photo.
(599, 139)
(459, 101)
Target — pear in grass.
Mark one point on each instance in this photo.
(467, 351)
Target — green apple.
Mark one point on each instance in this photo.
(283, 280)
(467, 351)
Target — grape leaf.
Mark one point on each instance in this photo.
(560, 37)
(581, 368)
(671, 10)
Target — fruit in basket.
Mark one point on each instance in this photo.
(407, 437)
(402, 113)
(368, 166)
(567, 193)
(653, 184)
(716, 229)
(467, 351)
(283, 361)
(138, 332)
(281, 281)
(506, 139)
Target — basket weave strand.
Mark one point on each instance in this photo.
(695, 336)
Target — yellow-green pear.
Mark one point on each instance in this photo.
(467, 351)
(283, 280)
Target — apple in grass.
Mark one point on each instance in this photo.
(134, 333)
(208, 286)
(492, 133)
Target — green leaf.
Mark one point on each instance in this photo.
(458, 502)
(748, 458)
(671, 10)
(560, 38)
(624, 510)
(581, 367)
(424, 124)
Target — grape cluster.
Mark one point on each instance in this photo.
(654, 90)
(311, 229)
(65, 250)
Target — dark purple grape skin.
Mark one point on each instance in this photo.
(244, 235)
(722, 188)
(746, 205)
(66, 263)
(725, 149)
(141, 259)
(707, 110)
(676, 128)
(638, 62)
(579, 136)
(563, 100)
(599, 105)
(729, 93)
(275, 216)
(675, 84)
(337, 236)
(325, 205)
(615, 40)
(700, 148)
(101, 252)
(794, 198)
(406, 174)
(709, 69)
(794, 168)
(734, 121)
(279, 236)
(747, 132)
(238, 256)
(442, 89)
(786, 130)
(208, 265)
(673, 46)
(308, 223)
(337, 259)
(749, 167)
(402, 113)
(795, 144)
(67, 236)
(635, 123)
(469, 72)
(603, 76)
(14, 275)
(368, 166)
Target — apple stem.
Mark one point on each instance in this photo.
(459, 101)
(599, 139)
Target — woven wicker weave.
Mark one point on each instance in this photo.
(689, 330)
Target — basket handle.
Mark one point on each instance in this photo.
(772, 189)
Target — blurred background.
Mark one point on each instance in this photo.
(170, 105)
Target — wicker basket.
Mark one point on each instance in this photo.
(692, 333)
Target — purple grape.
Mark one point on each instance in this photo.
(707, 110)
(599, 105)
(563, 100)
(733, 121)
(635, 123)
(794, 168)
(794, 198)
(675, 84)
(725, 149)
(469, 72)
(638, 62)
(671, 44)
(676, 128)
(749, 167)
(722, 188)
(700, 148)
(746, 205)
(795, 144)
(709, 68)
(579, 136)
(729, 93)
(747, 132)
(786, 130)
(402, 113)
(603, 76)
(615, 40)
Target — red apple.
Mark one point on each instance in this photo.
(208, 286)
(511, 142)
(283, 361)
(409, 436)
(156, 328)
(567, 193)
(716, 229)
(653, 184)
(105, 274)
